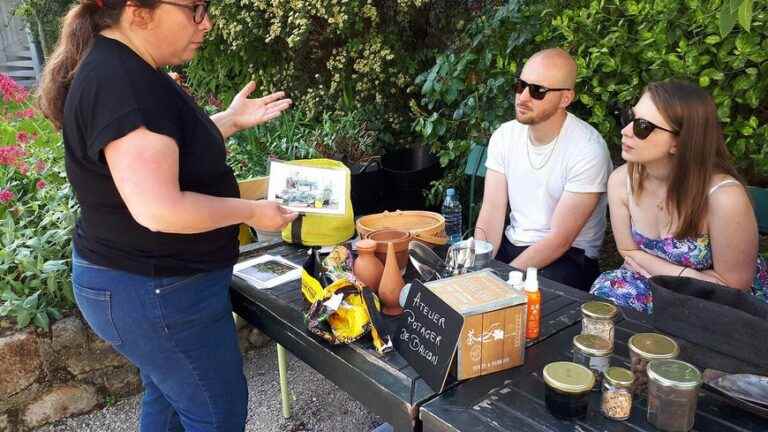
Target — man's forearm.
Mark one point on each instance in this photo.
(541, 254)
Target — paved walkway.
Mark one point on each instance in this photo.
(318, 406)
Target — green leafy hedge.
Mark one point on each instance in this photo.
(619, 46)
(330, 55)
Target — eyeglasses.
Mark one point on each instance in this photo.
(199, 10)
(642, 128)
(537, 92)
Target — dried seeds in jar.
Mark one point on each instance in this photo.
(598, 319)
(644, 347)
(593, 352)
(617, 393)
(673, 393)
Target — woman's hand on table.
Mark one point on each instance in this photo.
(270, 216)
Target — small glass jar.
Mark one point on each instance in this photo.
(644, 347)
(568, 389)
(673, 392)
(593, 352)
(617, 393)
(598, 319)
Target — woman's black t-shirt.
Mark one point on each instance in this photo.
(115, 92)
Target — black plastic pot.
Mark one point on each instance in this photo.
(407, 173)
(367, 187)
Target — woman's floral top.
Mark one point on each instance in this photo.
(626, 287)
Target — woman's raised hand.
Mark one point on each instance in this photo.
(246, 113)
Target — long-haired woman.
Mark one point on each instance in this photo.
(677, 206)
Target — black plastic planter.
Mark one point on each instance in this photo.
(367, 187)
(407, 173)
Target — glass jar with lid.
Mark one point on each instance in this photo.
(568, 387)
(673, 392)
(617, 393)
(598, 319)
(644, 347)
(593, 352)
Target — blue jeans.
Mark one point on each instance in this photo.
(180, 333)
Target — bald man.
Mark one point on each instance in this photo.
(552, 169)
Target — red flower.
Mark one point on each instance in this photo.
(39, 166)
(25, 114)
(22, 167)
(6, 196)
(40, 185)
(11, 90)
(23, 137)
(10, 155)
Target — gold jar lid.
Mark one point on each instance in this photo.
(569, 377)
(599, 310)
(674, 373)
(619, 376)
(592, 344)
(653, 346)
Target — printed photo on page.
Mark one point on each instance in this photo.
(267, 271)
(307, 189)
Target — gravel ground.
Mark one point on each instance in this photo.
(318, 405)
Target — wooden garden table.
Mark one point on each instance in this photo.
(513, 400)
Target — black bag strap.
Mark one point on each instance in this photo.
(296, 229)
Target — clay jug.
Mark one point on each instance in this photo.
(391, 284)
(367, 267)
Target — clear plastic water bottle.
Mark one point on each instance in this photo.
(452, 214)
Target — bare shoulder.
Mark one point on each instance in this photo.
(728, 198)
(617, 182)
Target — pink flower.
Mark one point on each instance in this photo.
(6, 196)
(25, 114)
(23, 137)
(22, 167)
(39, 166)
(10, 155)
(11, 90)
(40, 185)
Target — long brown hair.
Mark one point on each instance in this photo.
(81, 24)
(701, 152)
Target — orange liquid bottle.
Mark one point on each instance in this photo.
(533, 321)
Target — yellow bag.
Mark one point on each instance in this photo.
(323, 229)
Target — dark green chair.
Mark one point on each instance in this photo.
(760, 203)
(475, 168)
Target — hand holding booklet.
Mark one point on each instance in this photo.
(267, 271)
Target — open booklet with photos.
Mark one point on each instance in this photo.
(267, 271)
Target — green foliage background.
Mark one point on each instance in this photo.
(620, 46)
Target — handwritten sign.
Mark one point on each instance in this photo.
(427, 334)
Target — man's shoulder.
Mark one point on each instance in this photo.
(587, 137)
(509, 127)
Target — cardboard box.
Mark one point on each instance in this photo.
(493, 335)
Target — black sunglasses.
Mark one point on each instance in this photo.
(537, 92)
(199, 10)
(642, 128)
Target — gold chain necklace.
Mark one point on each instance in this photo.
(549, 156)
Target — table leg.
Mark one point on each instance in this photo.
(282, 366)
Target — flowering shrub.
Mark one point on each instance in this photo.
(37, 213)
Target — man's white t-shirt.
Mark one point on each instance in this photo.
(576, 161)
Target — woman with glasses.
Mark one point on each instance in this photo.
(677, 206)
(156, 237)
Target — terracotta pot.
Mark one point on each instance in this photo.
(400, 240)
(391, 284)
(367, 267)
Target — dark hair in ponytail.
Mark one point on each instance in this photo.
(80, 26)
